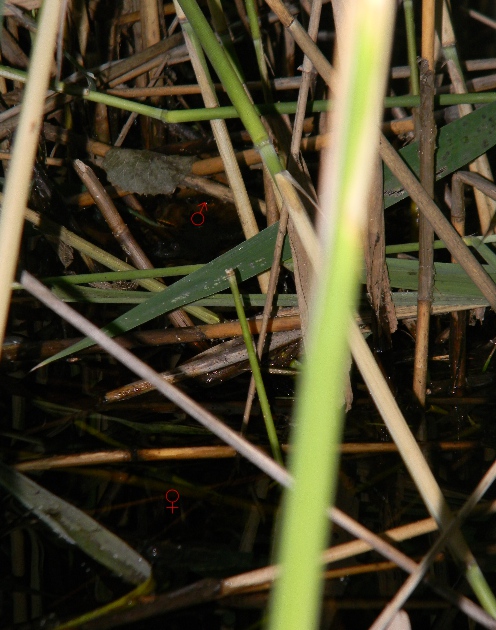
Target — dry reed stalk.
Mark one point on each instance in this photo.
(428, 31)
(202, 452)
(225, 330)
(124, 237)
(458, 320)
(427, 132)
(20, 172)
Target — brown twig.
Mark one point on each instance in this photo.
(427, 145)
(37, 351)
(99, 458)
(123, 235)
(458, 320)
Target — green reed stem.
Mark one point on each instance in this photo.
(211, 113)
(364, 42)
(411, 46)
(115, 276)
(252, 13)
(221, 27)
(471, 241)
(255, 368)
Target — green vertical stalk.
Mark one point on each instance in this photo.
(411, 46)
(364, 47)
(255, 368)
(252, 13)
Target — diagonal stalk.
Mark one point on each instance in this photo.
(222, 138)
(252, 123)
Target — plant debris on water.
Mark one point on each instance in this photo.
(145, 172)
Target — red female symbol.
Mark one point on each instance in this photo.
(172, 507)
(203, 208)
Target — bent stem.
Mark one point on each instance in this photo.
(222, 138)
(251, 120)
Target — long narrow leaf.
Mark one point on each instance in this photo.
(76, 527)
(251, 258)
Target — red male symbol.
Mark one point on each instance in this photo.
(201, 220)
(168, 498)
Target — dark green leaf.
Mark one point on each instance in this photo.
(250, 258)
(459, 143)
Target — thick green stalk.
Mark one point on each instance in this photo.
(197, 115)
(364, 53)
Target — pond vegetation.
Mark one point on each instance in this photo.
(247, 308)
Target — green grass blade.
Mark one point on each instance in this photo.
(364, 48)
(250, 258)
(459, 142)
